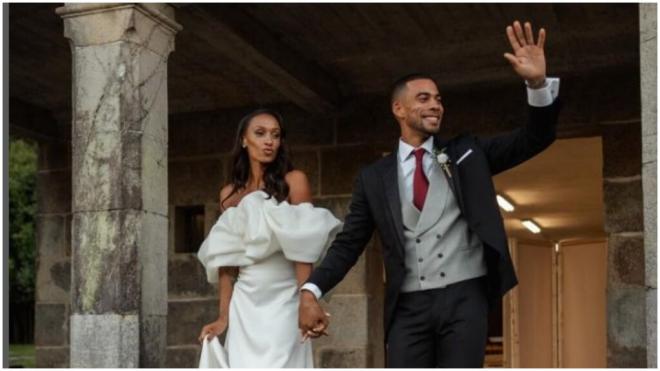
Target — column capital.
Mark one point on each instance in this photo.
(151, 25)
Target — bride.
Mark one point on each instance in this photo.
(261, 250)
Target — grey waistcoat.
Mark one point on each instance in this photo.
(440, 249)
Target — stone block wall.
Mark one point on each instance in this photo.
(624, 223)
(53, 266)
(649, 76)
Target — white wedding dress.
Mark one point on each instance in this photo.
(264, 238)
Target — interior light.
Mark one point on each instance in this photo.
(504, 204)
(533, 227)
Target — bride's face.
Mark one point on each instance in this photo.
(262, 138)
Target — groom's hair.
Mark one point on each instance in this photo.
(400, 84)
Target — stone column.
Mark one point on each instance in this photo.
(624, 224)
(648, 64)
(119, 182)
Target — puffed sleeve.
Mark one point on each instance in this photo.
(239, 237)
(303, 231)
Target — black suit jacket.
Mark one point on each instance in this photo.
(376, 204)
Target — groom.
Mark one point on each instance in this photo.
(433, 204)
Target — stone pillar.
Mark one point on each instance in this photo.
(119, 182)
(624, 224)
(648, 64)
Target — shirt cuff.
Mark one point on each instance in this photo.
(545, 95)
(313, 289)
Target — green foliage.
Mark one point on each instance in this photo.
(22, 208)
(21, 355)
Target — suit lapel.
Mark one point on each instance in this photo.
(454, 181)
(391, 184)
(455, 176)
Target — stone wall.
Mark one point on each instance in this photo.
(619, 126)
(649, 76)
(624, 222)
(53, 266)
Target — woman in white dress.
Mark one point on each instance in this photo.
(260, 251)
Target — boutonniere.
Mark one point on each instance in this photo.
(443, 160)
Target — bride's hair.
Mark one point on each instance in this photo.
(274, 183)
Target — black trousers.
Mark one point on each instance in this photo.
(445, 327)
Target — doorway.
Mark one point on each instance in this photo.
(556, 316)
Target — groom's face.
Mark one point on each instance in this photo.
(420, 107)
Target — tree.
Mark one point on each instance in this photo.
(22, 208)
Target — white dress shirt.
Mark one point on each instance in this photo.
(541, 97)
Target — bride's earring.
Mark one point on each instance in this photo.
(244, 145)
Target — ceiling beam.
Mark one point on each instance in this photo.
(239, 37)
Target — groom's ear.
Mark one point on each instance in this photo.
(397, 109)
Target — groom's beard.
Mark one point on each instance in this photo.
(417, 123)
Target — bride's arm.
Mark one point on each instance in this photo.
(226, 275)
(303, 270)
(299, 192)
(226, 279)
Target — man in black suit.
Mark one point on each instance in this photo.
(433, 204)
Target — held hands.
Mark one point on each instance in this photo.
(312, 319)
(529, 59)
(213, 329)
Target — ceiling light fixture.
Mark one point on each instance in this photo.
(504, 204)
(533, 227)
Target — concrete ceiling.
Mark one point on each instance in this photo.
(560, 189)
(318, 56)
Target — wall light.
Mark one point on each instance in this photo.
(533, 227)
(504, 204)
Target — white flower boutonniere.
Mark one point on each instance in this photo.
(443, 160)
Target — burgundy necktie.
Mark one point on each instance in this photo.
(420, 182)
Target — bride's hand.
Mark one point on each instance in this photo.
(213, 329)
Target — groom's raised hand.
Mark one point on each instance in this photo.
(528, 58)
(312, 319)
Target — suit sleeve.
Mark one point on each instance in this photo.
(349, 243)
(510, 149)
